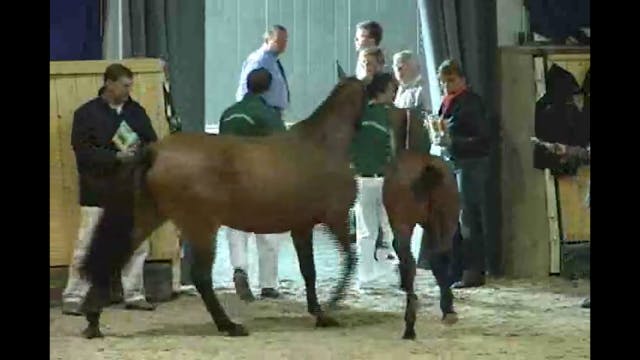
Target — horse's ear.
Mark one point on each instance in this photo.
(341, 74)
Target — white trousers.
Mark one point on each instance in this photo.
(132, 273)
(267, 245)
(371, 216)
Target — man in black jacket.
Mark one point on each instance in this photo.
(94, 126)
(466, 146)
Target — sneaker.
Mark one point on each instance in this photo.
(470, 279)
(388, 255)
(71, 308)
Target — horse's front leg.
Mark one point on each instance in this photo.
(302, 240)
(407, 268)
(92, 306)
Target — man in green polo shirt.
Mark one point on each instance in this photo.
(253, 117)
(371, 151)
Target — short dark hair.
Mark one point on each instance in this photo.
(450, 67)
(258, 81)
(272, 31)
(115, 71)
(373, 28)
(379, 83)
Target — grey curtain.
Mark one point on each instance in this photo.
(172, 30)
(466, 30)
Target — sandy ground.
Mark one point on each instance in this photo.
(503, 320)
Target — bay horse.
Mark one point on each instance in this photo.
(420, 189)
(288, 181)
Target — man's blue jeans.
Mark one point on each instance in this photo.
(472, 177)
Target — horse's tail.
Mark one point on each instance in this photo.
(430, 177)
(112, 241)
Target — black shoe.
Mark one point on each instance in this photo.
(586, 303)
(141, 305)
(469, 280)
(241, 282)
(269, 293)
(71, 308)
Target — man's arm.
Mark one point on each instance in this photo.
(147, 133)
(423, 101)
(248, 66)
(472, 113)
(89, 153)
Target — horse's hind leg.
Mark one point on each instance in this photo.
(203, 257)
(340, 228)
(302, 241)
(407, 268)
(440, 263)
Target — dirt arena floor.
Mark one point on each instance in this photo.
(504, 320)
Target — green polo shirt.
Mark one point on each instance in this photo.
(251, 117)
(371, 147)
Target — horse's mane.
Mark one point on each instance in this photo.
(327, 105)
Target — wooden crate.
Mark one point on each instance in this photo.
(71, 84)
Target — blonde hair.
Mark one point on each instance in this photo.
(403, 57)
(373, 51)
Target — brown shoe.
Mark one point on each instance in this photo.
(71, 308)
(469, 280)
(141, 304)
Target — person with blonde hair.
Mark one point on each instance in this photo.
(370, 62)
(410, 93)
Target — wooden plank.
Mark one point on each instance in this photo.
(68, 215)
(551, 50)
(57, 250)
(575, 214)
(138, 65)
(554, 225)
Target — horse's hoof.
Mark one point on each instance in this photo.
(450, 318)
(236, 330)
(409, 334)
(326, 321)
(92, 332)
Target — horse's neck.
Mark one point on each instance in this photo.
(333, 133)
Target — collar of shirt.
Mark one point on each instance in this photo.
(266, 51)
(254, 97)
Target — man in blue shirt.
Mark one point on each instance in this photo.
(275, 43)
